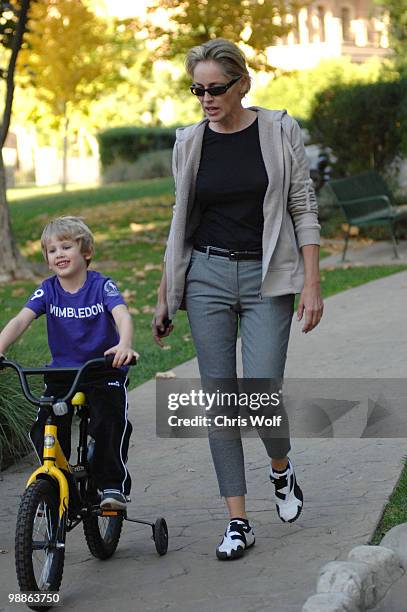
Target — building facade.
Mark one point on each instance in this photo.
(330, 29)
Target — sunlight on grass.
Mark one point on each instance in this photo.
(19, 193)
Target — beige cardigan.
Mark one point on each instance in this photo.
(289, 207)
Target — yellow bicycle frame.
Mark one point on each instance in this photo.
(54, 460)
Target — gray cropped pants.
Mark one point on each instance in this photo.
(220, 296)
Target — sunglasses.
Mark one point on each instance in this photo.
(216, 90)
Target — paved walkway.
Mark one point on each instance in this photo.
(346, 483)
(364, 253)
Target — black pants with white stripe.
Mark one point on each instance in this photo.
(106, 396)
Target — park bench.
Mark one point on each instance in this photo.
(365, 200)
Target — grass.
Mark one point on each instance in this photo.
(395, 511)
(130, 222)
(28, 191)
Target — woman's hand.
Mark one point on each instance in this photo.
(158, 327)
(311, 302)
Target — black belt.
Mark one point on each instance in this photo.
(233, 255)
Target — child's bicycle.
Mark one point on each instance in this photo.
(59, 496)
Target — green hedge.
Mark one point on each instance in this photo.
(129, 143)
(364, 125)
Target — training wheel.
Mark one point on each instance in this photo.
(160, 535)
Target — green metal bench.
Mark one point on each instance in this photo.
(365, 200)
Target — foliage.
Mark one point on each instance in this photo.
(128, 143)
(156, 164)
(361, 134)
(70, 55)
(16, 418)
(73, 57)
(157, 97)
(255, 24)
(296, 91)
(397, 10)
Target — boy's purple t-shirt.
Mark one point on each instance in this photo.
(80, 325)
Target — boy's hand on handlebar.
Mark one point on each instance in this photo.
(122, 355)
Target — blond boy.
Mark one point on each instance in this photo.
(86, 318)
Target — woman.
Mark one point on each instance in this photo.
(244, 240)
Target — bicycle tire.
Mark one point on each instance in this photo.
(102, 534)
(38, 510)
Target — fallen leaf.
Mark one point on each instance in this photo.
(167, 374)
(148, 267)
(148, 309)
(19, 291)
(141, 227)
(129, 295)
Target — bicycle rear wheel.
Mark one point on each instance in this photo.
(102, 534)
(39, 559)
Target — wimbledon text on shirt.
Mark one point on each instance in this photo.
(76, 313)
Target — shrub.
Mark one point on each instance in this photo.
(129, 143)
(16, 418)
(364, 125)
(156, 164)
(296, 91)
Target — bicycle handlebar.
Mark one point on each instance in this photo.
(101, 362)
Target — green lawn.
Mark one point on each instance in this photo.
(395, 511)
(130, 222)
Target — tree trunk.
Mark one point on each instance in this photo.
(65, 153)
(12, 265)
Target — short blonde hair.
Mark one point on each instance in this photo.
(68, 228)
(225, 53)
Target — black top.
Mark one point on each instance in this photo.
(230, 188)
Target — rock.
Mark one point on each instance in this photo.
(384, 563)
(330, 602)
(396, 540)
(351, 578)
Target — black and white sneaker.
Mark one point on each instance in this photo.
(239, 536)
(113, 500)
(288, 495)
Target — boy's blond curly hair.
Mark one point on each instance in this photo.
(68, 228)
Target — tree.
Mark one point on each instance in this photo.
(369, 137)
(13, 23)
(255, 23)
(73, 58)
(296, 91)
(397, 11)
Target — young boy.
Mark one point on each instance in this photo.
(86, 318)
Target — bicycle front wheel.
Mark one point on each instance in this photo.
(39, 555)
